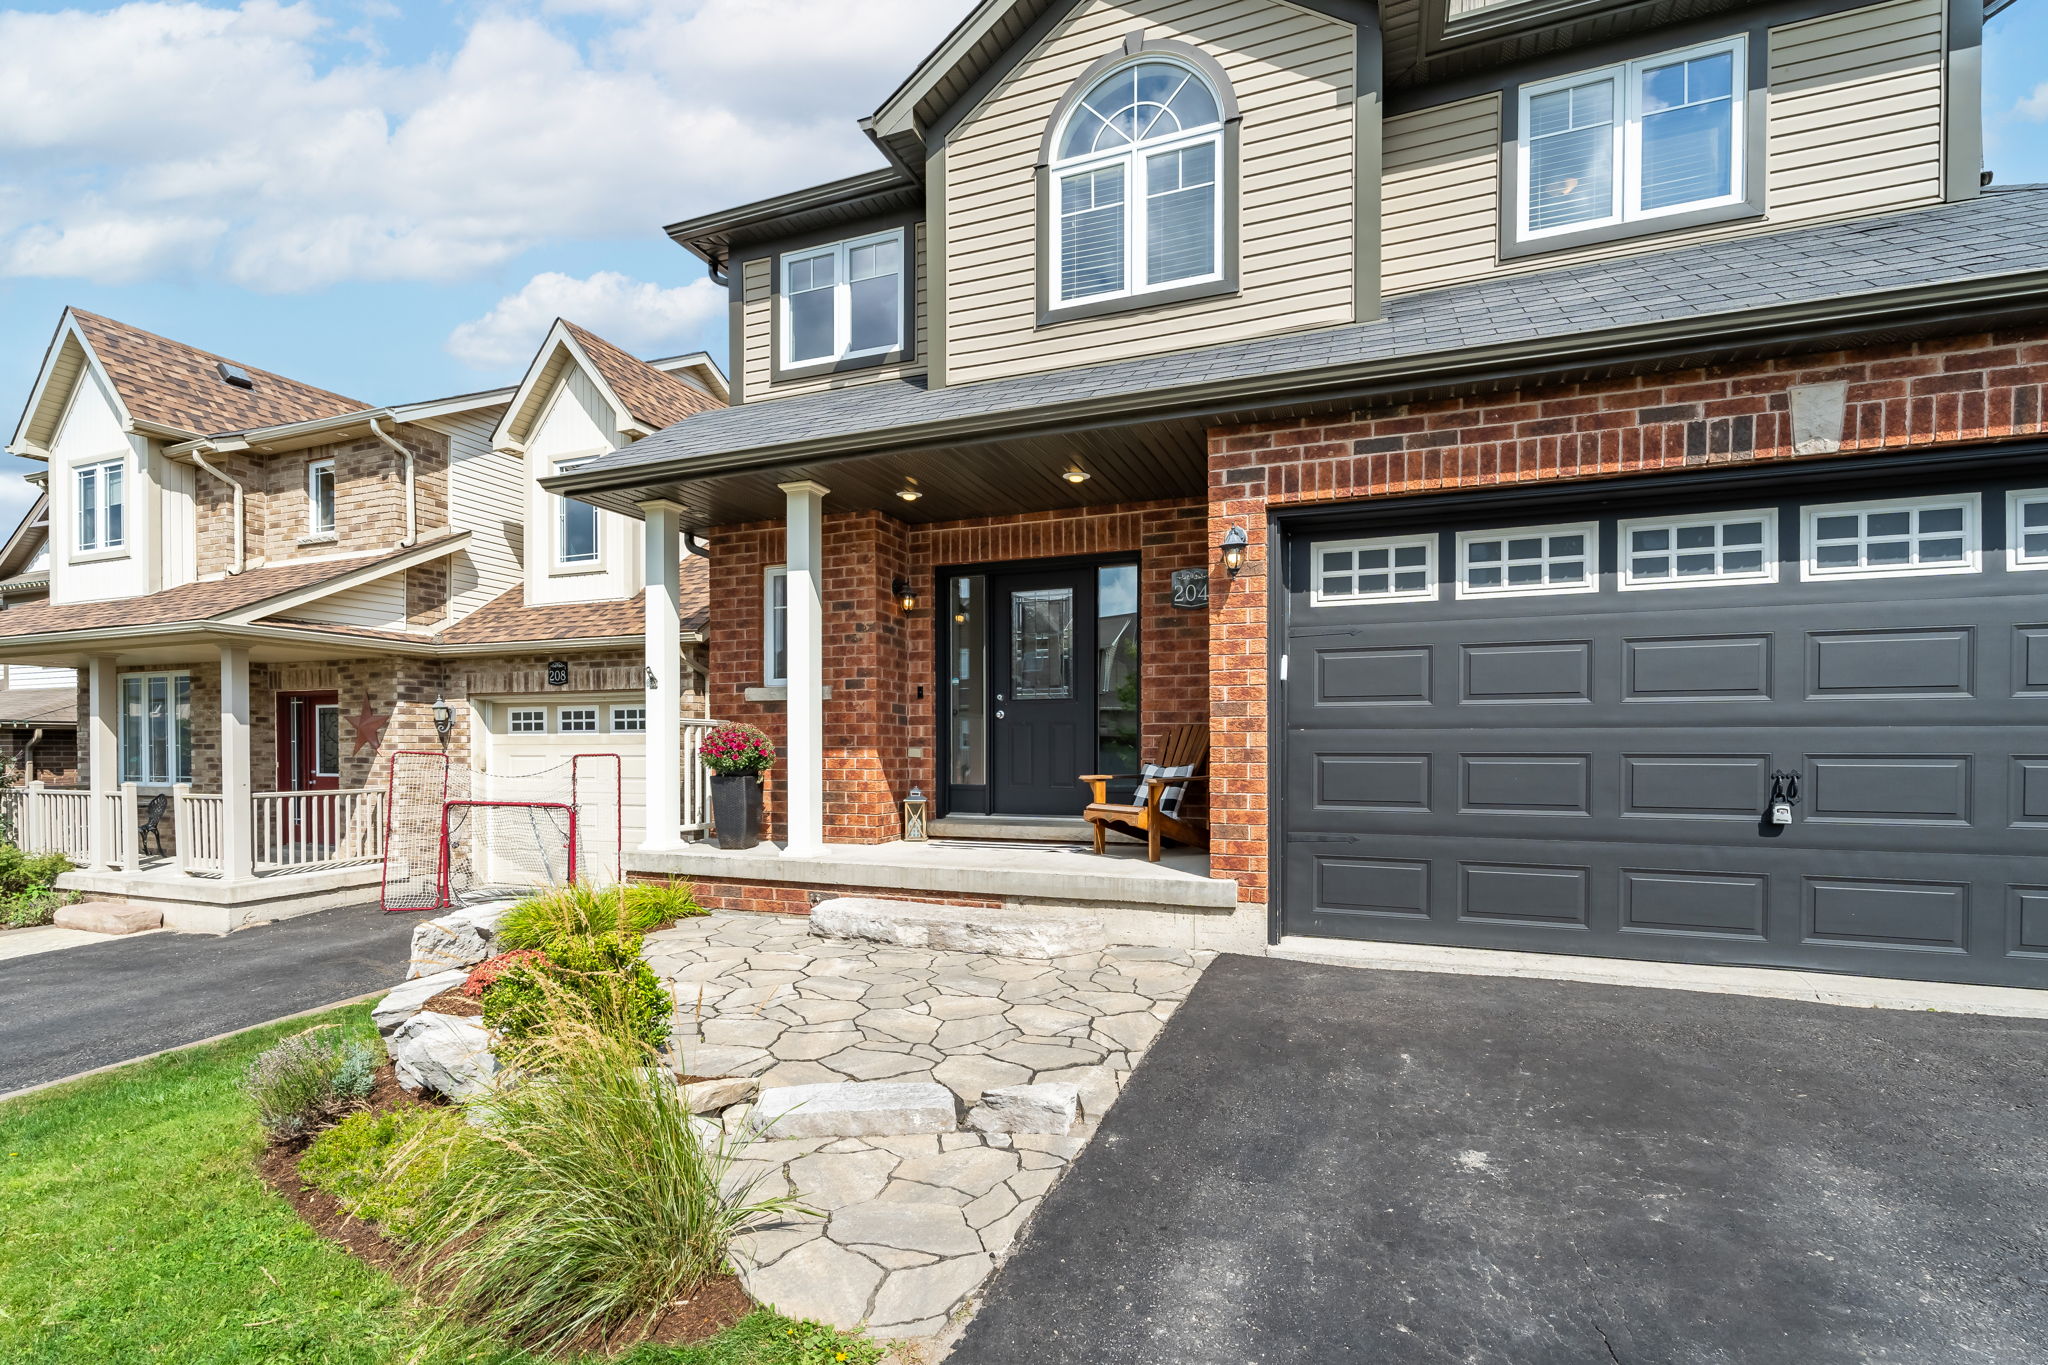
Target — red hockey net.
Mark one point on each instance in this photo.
(453, 836)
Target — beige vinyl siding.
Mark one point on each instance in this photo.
(758, 324)
(1853, 127)
(486, 497)
(1293, 72)
(369, 606)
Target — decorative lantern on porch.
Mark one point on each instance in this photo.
(913, 817)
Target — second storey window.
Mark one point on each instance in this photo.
(843, 301)
(102, 506)
(1641, 140)
(1136, 192)
(576, 530)
(320, 498)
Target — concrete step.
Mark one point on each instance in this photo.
(855, 1109)
(958, 928)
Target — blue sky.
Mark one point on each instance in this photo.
(392, 201)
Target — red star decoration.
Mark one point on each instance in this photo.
(369, 727)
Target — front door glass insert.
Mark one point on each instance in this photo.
(1042, 644)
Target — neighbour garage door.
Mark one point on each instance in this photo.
(1566, 732)
(532, 743)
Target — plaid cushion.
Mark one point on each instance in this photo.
(1170, 799)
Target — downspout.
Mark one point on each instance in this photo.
(28, 755)
(241, 542)
(412, 505)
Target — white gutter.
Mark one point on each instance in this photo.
(412, 506)
(241, 543)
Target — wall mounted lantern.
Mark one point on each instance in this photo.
(1235, 542)
(444, 718)
(905, 597)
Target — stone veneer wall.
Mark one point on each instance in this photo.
(1948, 392)
(881, 736)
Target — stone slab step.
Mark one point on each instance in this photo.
(108, 917)
(855, 1109)
(958, 928)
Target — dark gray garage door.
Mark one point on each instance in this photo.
(1564, 732)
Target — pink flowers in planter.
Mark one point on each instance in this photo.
(737, 750)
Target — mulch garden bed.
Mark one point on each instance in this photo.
(717, 1304)
(453, 1001)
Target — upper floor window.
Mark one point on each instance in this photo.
(320, 498)
(576, 532)
(1641, 140)
(1137, 176)
(843, 301)
(102, 506)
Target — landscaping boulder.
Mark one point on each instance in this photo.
(108, 917)
(460, 938)
(855, 1109)
(445, 1054)
(720, 1092)
(958, 928)
(1049, 1108)
(406, 999)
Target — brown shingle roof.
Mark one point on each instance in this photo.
(508, 620)
(654, 398)
(177, 386)
(188, 602)
(38, 705)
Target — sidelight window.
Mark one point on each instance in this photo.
(1528, 559)
(1685, 552)
(1894, 538)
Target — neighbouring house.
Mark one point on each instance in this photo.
(1581, 462)
(38, 705)
(268, 590)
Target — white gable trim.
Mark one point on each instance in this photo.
(54, 386)
(529, 403)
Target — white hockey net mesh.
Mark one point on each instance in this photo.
(454, 836)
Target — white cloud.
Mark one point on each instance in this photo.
(633, 314)
(163, 137)
(2034, 107)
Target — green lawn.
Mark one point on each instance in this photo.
(133, 1228)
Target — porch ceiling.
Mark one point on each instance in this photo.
(1144, 463)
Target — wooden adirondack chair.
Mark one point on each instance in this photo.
(1186, 746)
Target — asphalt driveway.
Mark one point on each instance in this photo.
(1320, 1164)
(66, 1012)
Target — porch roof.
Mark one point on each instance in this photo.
(1139, 424)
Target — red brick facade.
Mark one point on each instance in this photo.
(881, 736)
(1956, 391)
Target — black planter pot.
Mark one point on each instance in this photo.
(736, 809)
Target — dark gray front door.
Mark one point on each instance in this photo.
(1042, 647)
(1567, 737)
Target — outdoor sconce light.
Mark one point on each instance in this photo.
(905, 598)
(1235, 543)
(913, 817)
(444, 718)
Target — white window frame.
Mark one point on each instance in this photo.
(518, 720)
(2016, 557)
(1972, 534)
(98, 541)
(637, 715)
(842, 299)
(144, 772)
(564, 715)
(1136, 199)
(1591, 583)
(1392, 545)
(1626, 206)
(594, 562)
(1625, 553)
(316, 523)
(774, 622)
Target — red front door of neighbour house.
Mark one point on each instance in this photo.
(308, 741)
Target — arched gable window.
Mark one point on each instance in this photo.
(1138, 179)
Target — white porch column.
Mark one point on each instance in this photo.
(103, 758)
(237, 816)
(804, 555)
(664, 551)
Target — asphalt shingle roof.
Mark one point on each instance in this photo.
(652, 396)
(2003, 232)
(507, 619)
(178, 386)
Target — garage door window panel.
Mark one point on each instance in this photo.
(1688, 552)
(527, 721)
(2026, 529)
(1528, 560)
(1401, 570)
(576, 720)
(629, 720)
(1892, 539)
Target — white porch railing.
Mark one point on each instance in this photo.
(43, 819)
(696, 779)
(304, 830)
(196, 819)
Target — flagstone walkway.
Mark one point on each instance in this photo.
(910, 1226)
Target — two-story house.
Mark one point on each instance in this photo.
(269, 589)
(1579, 461)
(38, 704)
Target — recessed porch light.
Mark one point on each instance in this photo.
(910, 492)
(1075, 474)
